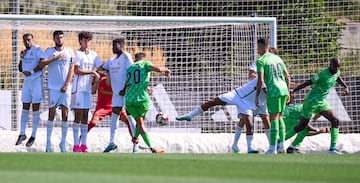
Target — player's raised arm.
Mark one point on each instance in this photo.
(161, 69)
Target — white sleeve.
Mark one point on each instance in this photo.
(76, 60)
(72, 56)
(39, 50)
(106, 65)
(252, 66)
(46, 54)
(97, 62)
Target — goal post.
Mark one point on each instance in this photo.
(252, 20)
(208, 56)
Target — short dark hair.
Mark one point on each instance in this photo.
(263, 42)
(27, 35)
(121, 41)
(85, 34)
(139, 56)
(57, 32)
(335, 60)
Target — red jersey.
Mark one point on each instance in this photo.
(104, 95)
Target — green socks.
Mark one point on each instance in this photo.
(334, 133)
(146, 138)
(274, 131)
(281, 130)
(290, 133)
(299, 138)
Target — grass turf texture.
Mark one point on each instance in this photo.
(172, 168)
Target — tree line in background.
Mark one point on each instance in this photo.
(308, 31)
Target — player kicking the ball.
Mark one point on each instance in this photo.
(243, 97)
(137, 96)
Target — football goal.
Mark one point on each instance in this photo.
(208, 56)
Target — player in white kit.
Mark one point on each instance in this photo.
(85, 64)
(32, 92)
(60, 73)
(117, 67)
(243, 97)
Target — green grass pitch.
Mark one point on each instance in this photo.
(172, 168)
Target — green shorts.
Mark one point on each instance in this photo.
(314, 107)
(137, 109)
(276, 104)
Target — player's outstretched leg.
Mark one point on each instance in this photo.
(190, 115)
(183, 118)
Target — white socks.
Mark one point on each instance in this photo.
(238, 131)
(49, 129)
(249, 139)
(132, 124)
(23, 121)
(35, 123)
(196, 111)
(64, 130)
(76, 127)
(113, 126)
(84, 131)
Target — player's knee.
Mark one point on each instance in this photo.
(300, 127)
(122, 113)
(335, 123)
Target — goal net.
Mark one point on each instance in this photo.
(207, 56)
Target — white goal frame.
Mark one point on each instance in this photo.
(271, 21)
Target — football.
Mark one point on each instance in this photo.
(162, 119)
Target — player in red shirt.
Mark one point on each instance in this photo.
(103, 104)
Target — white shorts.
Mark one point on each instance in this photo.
(58, 98)
(118, 101)
(243, 107)
(260, 110)
(32, 91)
(81, 100)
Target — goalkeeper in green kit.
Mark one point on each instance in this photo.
(137, 96)
(315, 101)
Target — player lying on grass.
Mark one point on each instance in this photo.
(137, 96)
(243, 97)
(292, 116)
